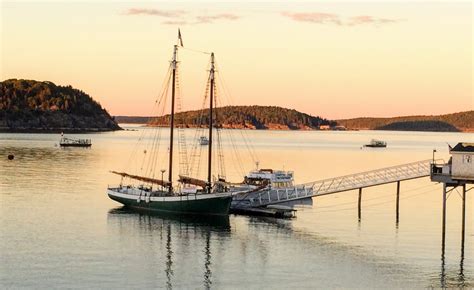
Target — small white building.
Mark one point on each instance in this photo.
(462, 163)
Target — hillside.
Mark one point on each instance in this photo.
(132, 119)
(247, 117)
(463, 121)
(34, 106)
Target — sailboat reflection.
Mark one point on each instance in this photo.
(176, 233)
(207, 262)
(169, 259)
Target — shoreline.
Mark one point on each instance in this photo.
(461, 130)
(103, 130)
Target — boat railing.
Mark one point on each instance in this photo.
(276, 195)
(65, 140)
(348, 182)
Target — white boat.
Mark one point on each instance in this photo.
(274, 178)
(376, 143)
(71, 142)
(268, 185)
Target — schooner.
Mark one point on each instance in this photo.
(192, 195)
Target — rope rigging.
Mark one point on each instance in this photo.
(146, 158)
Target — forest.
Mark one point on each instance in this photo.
(246, 117)
(31, 105)
(462, 121)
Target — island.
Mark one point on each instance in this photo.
(42, 106)
(239, 117)
(277, 118)
(456, 122)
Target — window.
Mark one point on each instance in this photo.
(467, 159)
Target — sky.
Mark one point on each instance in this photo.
(331, 59)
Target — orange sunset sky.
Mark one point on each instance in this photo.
(333, 59)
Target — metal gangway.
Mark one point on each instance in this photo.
(360, 180)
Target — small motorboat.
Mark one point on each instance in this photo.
(70, 142)
(376, 144)
(203, 140)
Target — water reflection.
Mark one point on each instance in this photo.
(38, 169)
(443, 266)
(207, 262)
(213, 223)
(461, 265)
(452, 278)
(169, 258)
(177, 233)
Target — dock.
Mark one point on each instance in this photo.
(262, 200)
(277, 211)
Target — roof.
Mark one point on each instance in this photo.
(463, 147)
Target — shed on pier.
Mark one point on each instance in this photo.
(462, 166)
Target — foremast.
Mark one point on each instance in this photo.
(174, 63)
(211, 123)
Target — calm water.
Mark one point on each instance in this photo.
(58, 229)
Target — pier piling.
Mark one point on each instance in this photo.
(398, 202)
(443, 236)
(463, 225)
(360, 203)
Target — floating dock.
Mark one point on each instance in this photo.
(277, 211)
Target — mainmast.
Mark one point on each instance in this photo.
(173, 89)
(209, 162)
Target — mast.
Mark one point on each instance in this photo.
(173, 89)
(209, 161)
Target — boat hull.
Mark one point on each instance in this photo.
(202, 204)
(75, 145)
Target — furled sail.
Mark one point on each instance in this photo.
(142, 178)
(193, 181)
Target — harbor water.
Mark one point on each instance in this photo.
(58, 228)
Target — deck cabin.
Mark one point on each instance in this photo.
(276, 178)
(460, 167)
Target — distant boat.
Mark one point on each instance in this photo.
(203, 140)
(376, 144)
(70, 142)
(267, 183)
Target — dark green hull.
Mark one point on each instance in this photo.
(208, 206)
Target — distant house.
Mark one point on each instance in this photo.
(324, 127)
(462, 166)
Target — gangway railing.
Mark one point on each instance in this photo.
(342, 183)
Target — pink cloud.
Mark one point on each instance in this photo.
(314, 17)
(328, 18)
(212, 18)
(155, 12)
(364, 19)
(175, 22)
(177, 16)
